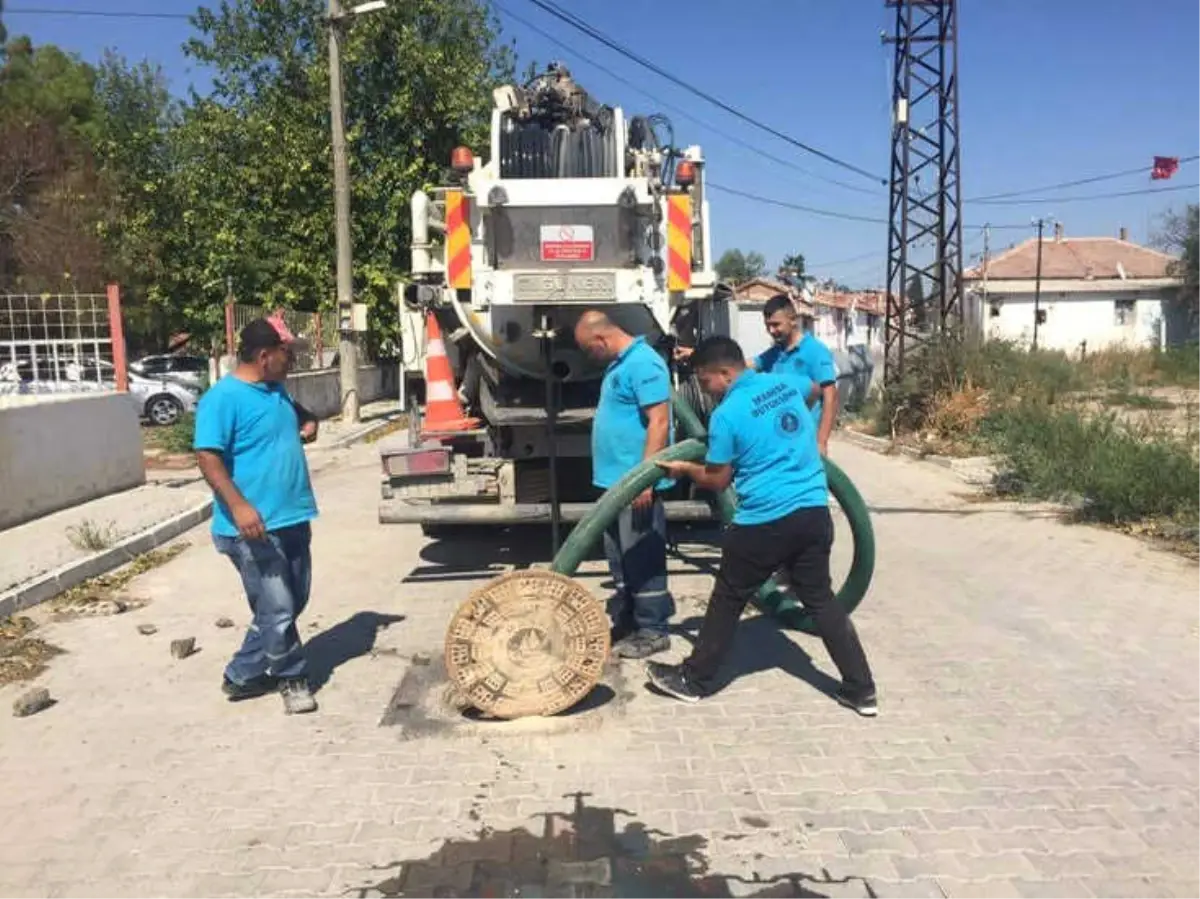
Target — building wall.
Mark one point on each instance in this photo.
(60, 450)
(1103, 319)
(320, 392)
(829, 324)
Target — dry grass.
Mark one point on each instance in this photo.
(88, 536)
(22, 656)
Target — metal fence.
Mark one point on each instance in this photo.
(316, 332)
(55, 343)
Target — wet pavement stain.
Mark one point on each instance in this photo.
(581, 853)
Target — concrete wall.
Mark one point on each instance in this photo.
(60, 450)
(1106, 318)
(321, 391)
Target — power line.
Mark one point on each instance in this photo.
(95, 13)
(596, 35)
(1140, 170)
(1046, 201)
(758, 151)
(770, 201)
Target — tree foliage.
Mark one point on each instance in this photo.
(793, 266)
(172, 198)
(736, 267)
(1179, 234)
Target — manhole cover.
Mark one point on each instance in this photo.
(527, 643)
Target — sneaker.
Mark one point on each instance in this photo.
(861, 701)
(256, 686)
(642, 645)
(297, 697)
(674, 681)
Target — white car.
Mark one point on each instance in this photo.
(161, 400)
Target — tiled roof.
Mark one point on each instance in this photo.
(870, 301)
(1082, 258)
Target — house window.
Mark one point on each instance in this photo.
(1123, 311)
(993, 310)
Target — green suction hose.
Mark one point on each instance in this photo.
(770, 599)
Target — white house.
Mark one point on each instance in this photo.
(845, 320)
(1096, 292)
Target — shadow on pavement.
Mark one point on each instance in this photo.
(480, 553)
(582, 853)
(760, 645)
(346, 640)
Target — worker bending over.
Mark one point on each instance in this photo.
(761, 438)
(632, 423)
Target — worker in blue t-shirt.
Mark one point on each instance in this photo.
(761, 439)
(249, 447)
(632, 423)
(797, 350)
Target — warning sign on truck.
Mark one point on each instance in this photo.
(567, 243)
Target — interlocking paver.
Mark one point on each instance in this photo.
(1037, 734)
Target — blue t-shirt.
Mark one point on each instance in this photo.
(637, 378)
(809, 357)
(256, 430)
(761, 429)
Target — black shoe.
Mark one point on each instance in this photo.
(674, 681)
(861, 701)
(255, 687)
(642, 645)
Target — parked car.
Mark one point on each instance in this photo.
(161, 400)
(192, 369)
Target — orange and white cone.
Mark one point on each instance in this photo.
(443, 411)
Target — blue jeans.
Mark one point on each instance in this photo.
(277, 573)
(636, 547)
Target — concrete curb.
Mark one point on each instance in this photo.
(363, 432)
(967, 469)
(52, 583)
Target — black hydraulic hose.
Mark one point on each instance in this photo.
(771, 599)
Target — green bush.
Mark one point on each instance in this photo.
(1119, 474)
(177, 438)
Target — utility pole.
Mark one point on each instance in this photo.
(925, 143)
(1037, 284)
(348, 345)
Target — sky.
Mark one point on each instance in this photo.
(1048, 92)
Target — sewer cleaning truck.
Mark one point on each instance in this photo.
(576, 207)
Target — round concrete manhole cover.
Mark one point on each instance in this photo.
(527, 643)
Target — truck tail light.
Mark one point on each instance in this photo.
(421, 461)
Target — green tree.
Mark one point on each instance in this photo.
(49, 192)
(255, 159)
(736, 267)
(793, 265)
(1179, 234)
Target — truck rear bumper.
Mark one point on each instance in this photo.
(399, 511)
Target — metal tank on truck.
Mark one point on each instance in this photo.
(577, 207)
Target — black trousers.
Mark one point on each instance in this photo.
(800, 543)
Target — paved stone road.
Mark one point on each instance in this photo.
(1038, 733)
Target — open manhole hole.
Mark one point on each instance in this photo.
(427, 704)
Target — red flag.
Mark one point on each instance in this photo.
(1164, 167)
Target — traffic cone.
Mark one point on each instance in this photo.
(443, 411)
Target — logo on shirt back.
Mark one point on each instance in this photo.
(788, 421)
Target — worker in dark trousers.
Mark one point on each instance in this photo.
(632, 423)
(762, 439)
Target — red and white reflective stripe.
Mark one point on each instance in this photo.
(435, 347)
(437, 391)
